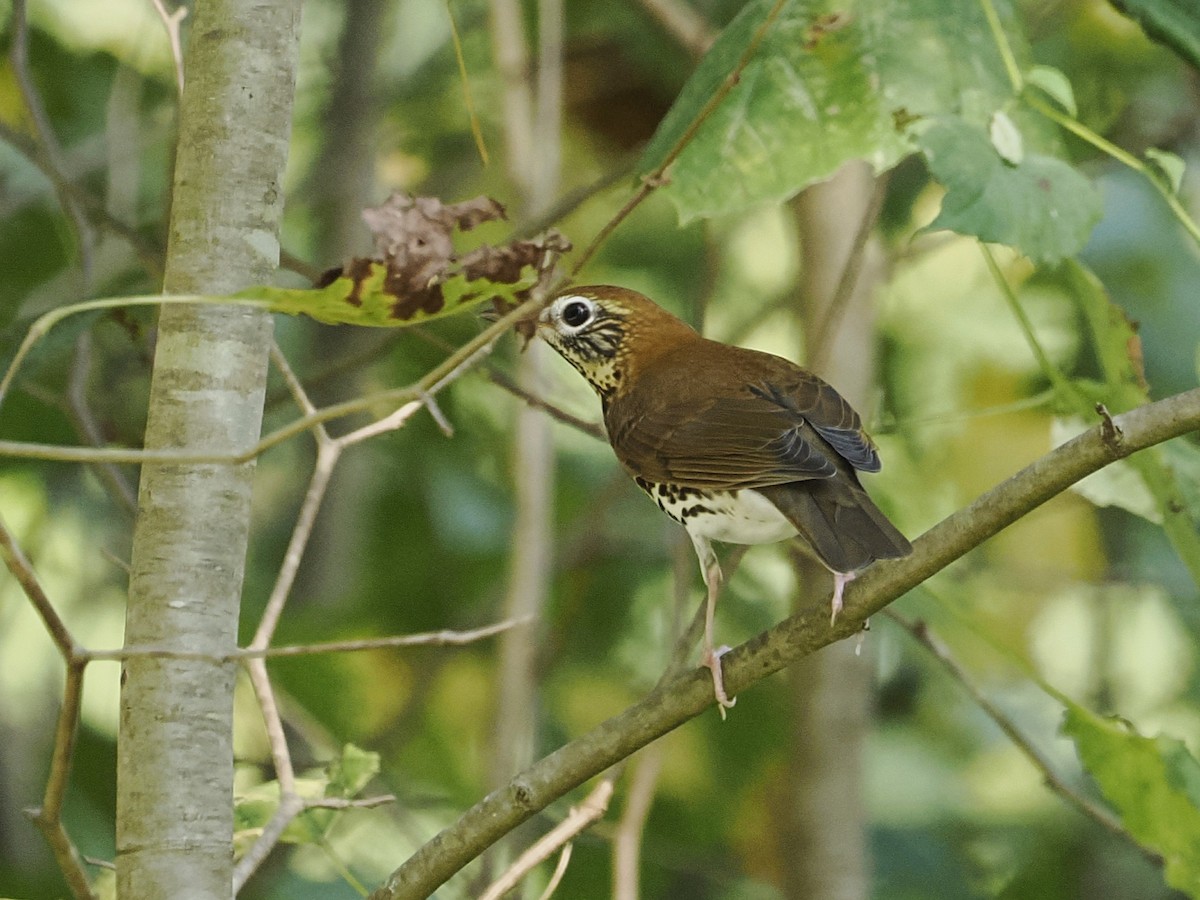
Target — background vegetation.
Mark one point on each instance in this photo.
(968, 360)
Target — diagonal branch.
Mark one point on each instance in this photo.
(686, 696)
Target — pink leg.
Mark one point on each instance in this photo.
(710, 658)
(840, 580)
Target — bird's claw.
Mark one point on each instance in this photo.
(712, 662)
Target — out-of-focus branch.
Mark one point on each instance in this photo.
(920, 632)
(49, 817)
(627, 842)
(533, 124)
(47, 142)
(80, 412)
(682, 23)
(149, 254)
(512, 61)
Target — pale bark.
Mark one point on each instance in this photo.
(823, 846)
(174, 758)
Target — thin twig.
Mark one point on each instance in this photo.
(564, 860)
(290, 806)
(445, 638)
(18, 564)
(502, 381)
(171, 22)
(349, 802)
(328, 452)
(149, 253)
(820, 344)
(80, 412)
(682, 23)
(572, 200)
(459, 362)
(49, 818)
(580, 817)
(468, 99)
(48, 144)
(920, 632)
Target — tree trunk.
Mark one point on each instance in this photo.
(824, 850)
(174, 757)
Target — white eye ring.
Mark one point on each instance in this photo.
(574, 312)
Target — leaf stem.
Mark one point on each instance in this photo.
(1054, 375)
(1003, 46)
(1077, 128)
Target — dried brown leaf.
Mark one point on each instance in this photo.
(414, 240)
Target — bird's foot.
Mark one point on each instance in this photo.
(840, 580)
(712, 661)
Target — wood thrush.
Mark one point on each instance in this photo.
(736, 445)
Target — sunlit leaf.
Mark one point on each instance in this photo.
(1153, 783)
(1118, 484)
(830, 81)
(1055, 85)
(1118, 351)
(1169, 166)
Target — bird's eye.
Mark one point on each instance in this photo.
(576, 313)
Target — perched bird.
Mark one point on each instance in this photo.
(736, 445)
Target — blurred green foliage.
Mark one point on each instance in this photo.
(415, 533)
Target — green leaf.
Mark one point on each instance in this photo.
(1055, 85)
(1175, 23)
(1118, 484)
(1166, 471)
(1169, 166)
(1042, 206)
(344, 778)
(365, 298)
(1154, 784)
(829, 82)
(351, 772)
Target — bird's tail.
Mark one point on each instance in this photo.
(839, 521)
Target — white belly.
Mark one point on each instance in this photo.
(745, 517)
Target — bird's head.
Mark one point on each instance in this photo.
(608, 332)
